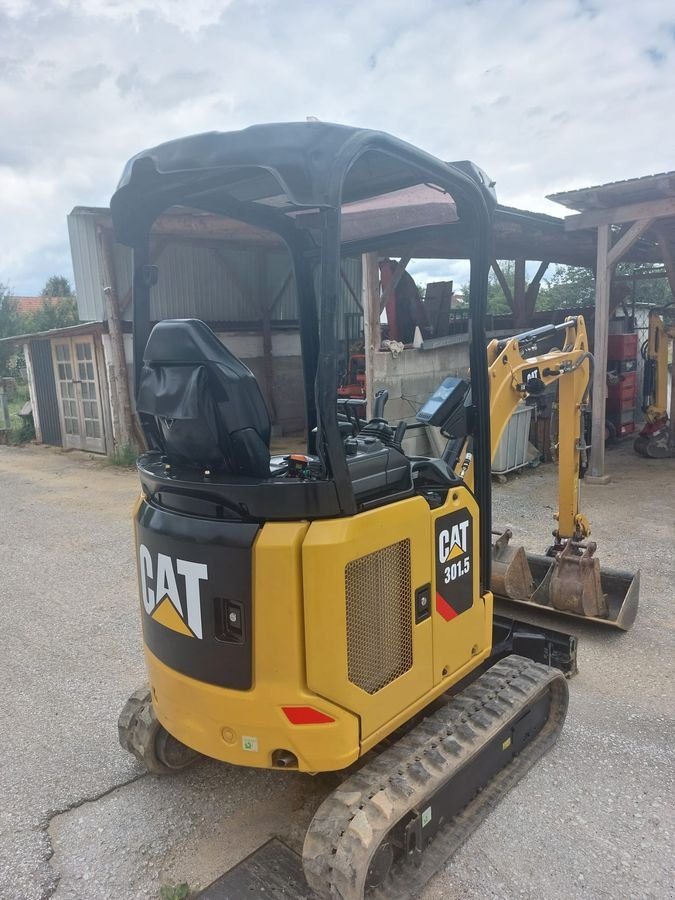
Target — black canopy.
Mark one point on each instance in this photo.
(268, 169)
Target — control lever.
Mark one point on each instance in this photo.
(381, 398)
(379, 428)
(400, 431)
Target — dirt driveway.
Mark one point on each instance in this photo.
(78, 819)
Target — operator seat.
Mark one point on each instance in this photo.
(206, 406)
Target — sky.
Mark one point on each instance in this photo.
(545, 95)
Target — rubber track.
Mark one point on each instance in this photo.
(352, 822)
(141, 733)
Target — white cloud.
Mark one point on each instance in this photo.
(543, 95)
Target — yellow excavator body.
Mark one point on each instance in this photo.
(327, 610)
(336, 637)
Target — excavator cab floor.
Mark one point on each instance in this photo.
(621, 590)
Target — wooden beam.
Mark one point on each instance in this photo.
(519, 290)
(370, 290)
(212, 226)
(626, 241)
(355, 296)
(532, 291)
(668, 258)
(631, 212)
(602, 284)
(129, 434)
(396, 276)
(157, 251)
(503, 284)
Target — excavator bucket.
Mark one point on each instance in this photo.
(511, 575)
(573, 584)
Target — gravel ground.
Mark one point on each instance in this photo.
(78, 819)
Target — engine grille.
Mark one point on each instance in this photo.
(379, 616)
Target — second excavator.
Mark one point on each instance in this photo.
(567, 578)
(656, 440)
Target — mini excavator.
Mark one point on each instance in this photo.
(329, 610)
(568, 579)
(657, 439)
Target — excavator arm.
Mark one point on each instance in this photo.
(656, 440)
(569, 579)
(517, 372)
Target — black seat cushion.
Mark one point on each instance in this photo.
(207, 406)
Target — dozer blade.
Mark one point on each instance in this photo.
(565, 586)
(511, 575)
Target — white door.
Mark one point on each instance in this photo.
(79, 394)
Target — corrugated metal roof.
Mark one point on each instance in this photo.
(615, 193)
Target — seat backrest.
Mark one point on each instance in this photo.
(207, 406)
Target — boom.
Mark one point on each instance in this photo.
(656, 439)
(516, 372)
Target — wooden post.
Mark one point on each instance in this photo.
(602, 283)
(503, 283)
(4, 413)
(396, 276)
(32, 393)
(127, 436)
(532, 291)
(370, 301)
(519, 310)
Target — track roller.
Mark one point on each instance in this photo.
(141, 733)
(389, 827)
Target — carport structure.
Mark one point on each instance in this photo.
(624, 215)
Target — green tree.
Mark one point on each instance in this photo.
(9, 325)
(568, 287)
(655, 291)
(497, 304)
(574, 286)
(52, 315)
(57, 286)
(571, 286)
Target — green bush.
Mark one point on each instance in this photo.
(124, 456)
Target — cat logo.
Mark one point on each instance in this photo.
(454, 570)
(162, 599)
(452, 542)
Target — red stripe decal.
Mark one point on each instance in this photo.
(306, 715)
(444, 609)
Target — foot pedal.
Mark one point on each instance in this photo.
(272, 872)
